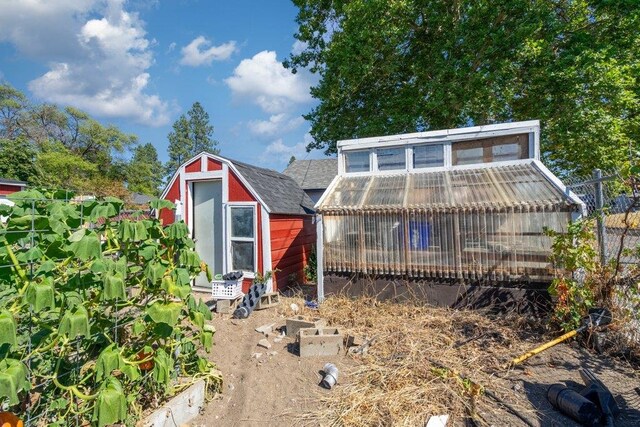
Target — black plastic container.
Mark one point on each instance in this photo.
(574, 405)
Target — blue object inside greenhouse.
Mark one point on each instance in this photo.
(418, 235)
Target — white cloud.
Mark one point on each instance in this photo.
(283, 152)
(276, 124)
(199, 53)
(99, 65)
(263, 80)
(172, 47)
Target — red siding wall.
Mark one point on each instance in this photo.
(213, 165)
(237, 191)
(193, 166)
(166, 215)
(8, 189)
(292, 238)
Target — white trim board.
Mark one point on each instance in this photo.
(456, 134)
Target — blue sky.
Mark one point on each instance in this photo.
(139, 64)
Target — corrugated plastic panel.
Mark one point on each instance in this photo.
(497, 187)
(348, 192)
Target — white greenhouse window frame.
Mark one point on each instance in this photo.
(370, 155)
(382, 152)
(443, 148)
(231, 238)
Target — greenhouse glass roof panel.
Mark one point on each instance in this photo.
(521, 185)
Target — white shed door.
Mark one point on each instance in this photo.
(207, 226)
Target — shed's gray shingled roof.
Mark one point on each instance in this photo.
(313, 174)
(279, 192)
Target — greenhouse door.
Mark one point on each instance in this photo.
(207, 226)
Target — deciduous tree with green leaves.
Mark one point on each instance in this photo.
(395, 66)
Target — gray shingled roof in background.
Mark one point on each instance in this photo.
(279, 192)
(140, 199)
(313, 174)
(8, 181)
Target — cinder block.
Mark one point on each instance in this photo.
(268, 300)
(295, 323)
(320, 341)
(226, 306)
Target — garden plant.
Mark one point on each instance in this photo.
(97, 319)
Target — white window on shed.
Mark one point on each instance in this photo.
(243, 238)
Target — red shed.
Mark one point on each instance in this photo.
(8, 186)
(243, 217)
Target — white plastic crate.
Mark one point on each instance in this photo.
(226, 289)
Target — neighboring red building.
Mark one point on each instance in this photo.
(8, 186)
(243, 217)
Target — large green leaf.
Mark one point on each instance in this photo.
(147, 250)
(30, 255)
(177, 230)
(131, 371)
(7, 328)
(113, 286)
(30, 221)
(108, 360)
(161, 204)
(40, 295)
(111, 404)
(204, 309)
(181, 276)
(162, 367)
(161, 312)
(13, 380)
(45, 267)
(103, 210)
(206, 337)
(189, 258)
(75, 323)
(155, 271)
(26, 196)
(132, 231)
(175, 289)
(87, 247)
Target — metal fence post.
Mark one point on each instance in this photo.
(601, 231)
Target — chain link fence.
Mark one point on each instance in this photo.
(613, 203)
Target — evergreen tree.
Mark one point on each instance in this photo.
(191, 135)
(144, 172)
(201, 131)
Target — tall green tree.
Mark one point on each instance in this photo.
(395, 66)
(191, 135)
(12, 104)
(18, 160)
(201, 131)
(180, 144)
(144, 173)
(44, 144)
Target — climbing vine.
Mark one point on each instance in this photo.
(97, 318)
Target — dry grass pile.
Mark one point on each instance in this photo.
(397, 383)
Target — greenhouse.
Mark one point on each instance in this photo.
(469, 203)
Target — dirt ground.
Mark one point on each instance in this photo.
(280, 389)
(272, 390)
